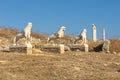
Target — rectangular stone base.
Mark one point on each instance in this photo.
(76, 47)
(21, 49)
(54, 48)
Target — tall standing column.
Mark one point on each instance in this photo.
(103, 34)
(94, 34)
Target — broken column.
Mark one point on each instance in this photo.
(94, 34)
(103, 35)
(106, 46)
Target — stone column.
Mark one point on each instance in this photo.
(94, 34)
(62, 50)
(103, 35)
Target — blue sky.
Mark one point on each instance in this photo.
(48, 15)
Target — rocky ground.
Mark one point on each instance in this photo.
(94, 65)
(55, 66)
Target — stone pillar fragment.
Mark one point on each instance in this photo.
(94, 34)
(106, 46)
(29, 48)
(62, 50)
(103, 35)
(86, 47)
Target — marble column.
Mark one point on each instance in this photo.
(103, 35)
(94, 34)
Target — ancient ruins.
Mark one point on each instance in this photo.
(24, 42)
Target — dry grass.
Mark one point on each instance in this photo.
(115, 45)
(7, 32)
(51, 66)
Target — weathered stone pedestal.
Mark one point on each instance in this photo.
(21, 48)
(85, 47)
(62, 49)
(79, 47)
(54, 48)
(29, 48)
(18, 48)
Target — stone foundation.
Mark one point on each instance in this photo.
(54, 48)
(78, 47)
(21, 49)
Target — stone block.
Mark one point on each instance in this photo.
(86, 47)
(106, 46)
(79, 47)
(62, 49)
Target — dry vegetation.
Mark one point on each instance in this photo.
(54, 66)
(51, 66)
